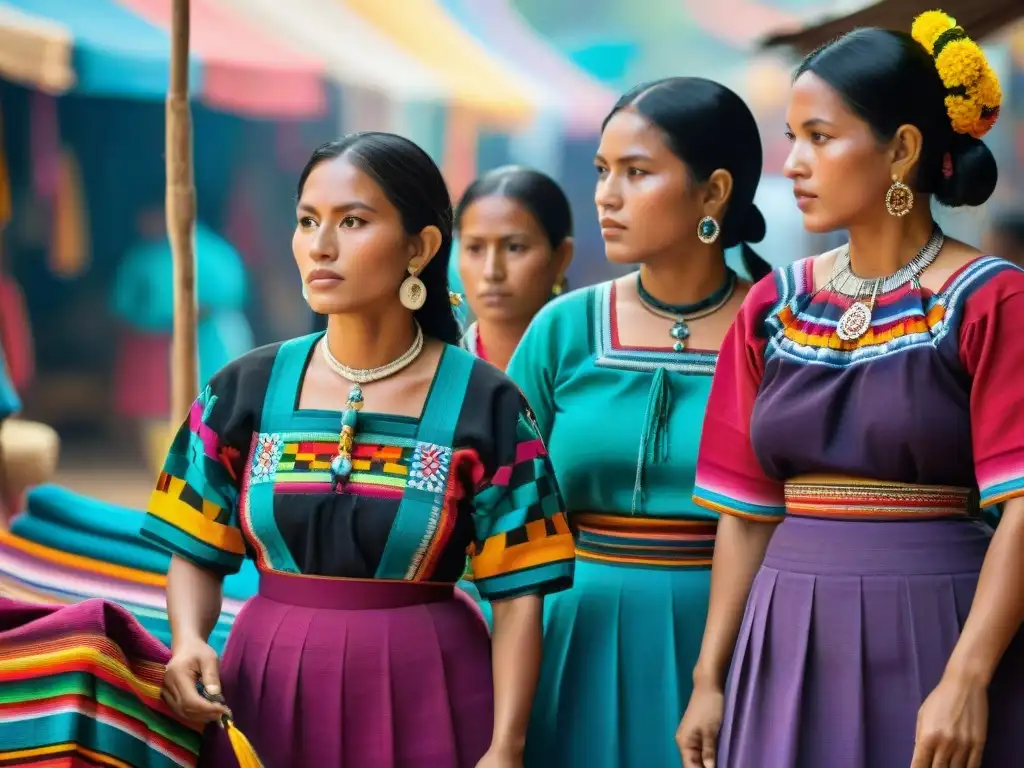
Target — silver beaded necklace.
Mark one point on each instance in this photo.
(341, 464)
(367, 375)
(856, 320)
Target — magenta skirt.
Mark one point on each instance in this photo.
(327, 673)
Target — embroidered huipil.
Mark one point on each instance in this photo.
(930, 395)
(249, 475)
(622, 423)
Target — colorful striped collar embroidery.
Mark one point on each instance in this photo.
(801, 326)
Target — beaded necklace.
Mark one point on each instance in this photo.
(680, 332)
(341, 465)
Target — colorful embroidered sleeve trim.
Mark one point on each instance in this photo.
(171, 537)
(192, 512)
(728, 505)
(523, 543)
(1002, 491)
(535, 558)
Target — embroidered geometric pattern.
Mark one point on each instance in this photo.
(802, 326)
(300, 462)
(521, 506)
(428, 470)
(266, 457)
(191, 509)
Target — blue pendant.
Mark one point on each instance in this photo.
(341, 468)
(680, 332)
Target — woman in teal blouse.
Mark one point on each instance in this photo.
(618, 376)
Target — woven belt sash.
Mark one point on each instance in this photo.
(859, 499)
(644, 541)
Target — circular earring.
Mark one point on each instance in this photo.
(708, 230)
(559, 287)
(412, 293)
(899, 200)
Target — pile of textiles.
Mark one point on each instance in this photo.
(80, 685)
(65, 548)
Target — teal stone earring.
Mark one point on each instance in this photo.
(708, 230)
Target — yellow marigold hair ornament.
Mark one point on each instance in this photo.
(974, 95)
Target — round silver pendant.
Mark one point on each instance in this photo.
(855, 322)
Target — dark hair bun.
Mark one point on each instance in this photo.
(753, 228)
(974, 177)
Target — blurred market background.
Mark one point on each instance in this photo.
(85, 305)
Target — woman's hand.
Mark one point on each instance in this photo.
(193, 660)
(498, 757)
(697, 736)
(952, 725)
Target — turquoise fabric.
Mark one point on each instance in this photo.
(9, 401)
(143, 296)
(623, 429)
(115, 52)
(484, 605)
(62, 519)
(619, 650)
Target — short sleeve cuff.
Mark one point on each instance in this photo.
(183, 531)
(1001, 491)
(538, 558)
(538, 580)
(730, 505)
(177, 542)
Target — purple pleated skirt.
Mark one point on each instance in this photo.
(848, 628)
(337, 673)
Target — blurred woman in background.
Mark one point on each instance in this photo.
(514, 226)
(514, 229)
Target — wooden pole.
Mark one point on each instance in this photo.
(181, 217)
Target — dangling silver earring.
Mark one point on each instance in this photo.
(412, 293)
(708, 230)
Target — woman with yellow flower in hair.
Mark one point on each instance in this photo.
(865, 405)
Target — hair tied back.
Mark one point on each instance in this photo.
(973, 93)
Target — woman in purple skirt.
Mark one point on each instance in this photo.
(357, 467)
(866, 403)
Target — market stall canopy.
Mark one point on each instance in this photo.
(354, 52)
(582, 100)
(981, 18)
(35, 51)
(739, 22)
(122, 48)
(489, 87)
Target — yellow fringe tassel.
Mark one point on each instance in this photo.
(246, 755)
